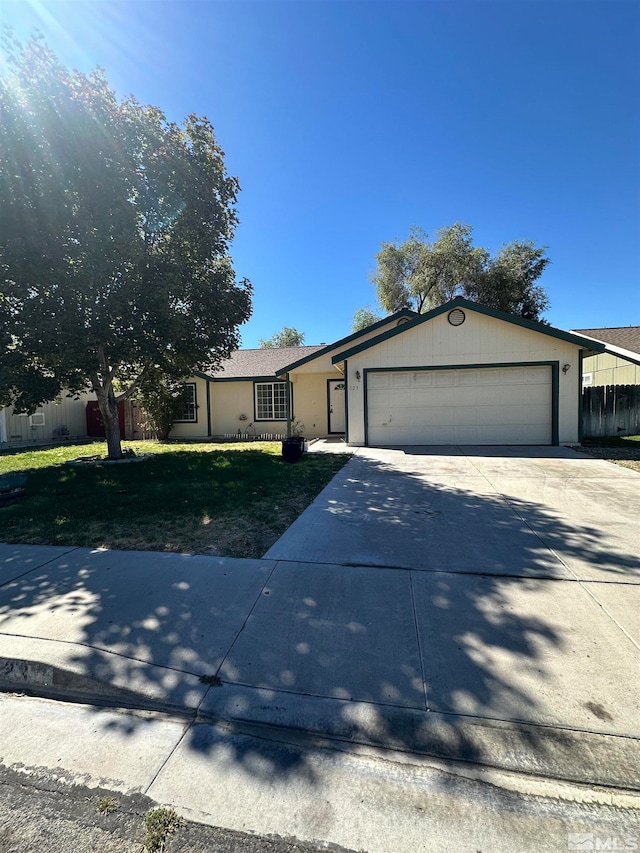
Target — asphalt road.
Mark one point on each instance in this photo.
(57, 819)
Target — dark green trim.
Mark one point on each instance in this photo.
(365, 402)
(555, 402)
(580, 392)
(555, 386)
(346, 403)
(460, 366)
(328, 407)
(404, 312)
(195, 405)
(271, 378)
(459, 302)
(329, 430)
(208, 387)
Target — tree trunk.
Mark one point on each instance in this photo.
(109, 411)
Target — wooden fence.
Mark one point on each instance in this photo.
(611, 410)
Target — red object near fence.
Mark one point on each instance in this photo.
(95, 424)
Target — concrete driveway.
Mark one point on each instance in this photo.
(516, 569)
(478, 604)
(535, 512)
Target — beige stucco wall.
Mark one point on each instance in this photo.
(310, 401)
(606, 369)
(230, 400)
(479, 340)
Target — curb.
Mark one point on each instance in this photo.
(568, 755)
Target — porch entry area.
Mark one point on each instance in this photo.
(335, 405)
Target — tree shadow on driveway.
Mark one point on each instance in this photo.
(506, 661)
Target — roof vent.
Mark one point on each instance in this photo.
(456, 317)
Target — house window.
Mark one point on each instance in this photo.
(587, 378)
(271, 401)
(190, 412)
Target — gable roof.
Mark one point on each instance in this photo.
(262, 362)
(625, 337)
(403, 314)
(460, 302)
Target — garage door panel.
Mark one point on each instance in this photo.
(463, 406)
(379, 399)
(423, 378)
(513, 376)
(379, 380)
(468, 377)
(446, 378)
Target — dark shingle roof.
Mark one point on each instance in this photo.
(626, 337)
(267, 361)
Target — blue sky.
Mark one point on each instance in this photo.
(347, 122)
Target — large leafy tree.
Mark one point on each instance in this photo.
(422, 273)
(114, 240)
(363, 318)
(286, 337)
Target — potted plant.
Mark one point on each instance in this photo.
(293, 445)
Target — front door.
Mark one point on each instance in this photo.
(336, 391)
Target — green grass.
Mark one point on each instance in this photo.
(632, 441)
(233, 499)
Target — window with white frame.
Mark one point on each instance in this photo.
(271, 401)
(190, 412)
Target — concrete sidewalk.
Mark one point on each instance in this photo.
(471, 606)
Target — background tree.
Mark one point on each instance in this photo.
(508, 281)
(363, 318)
(114, 240)
(287, 337)
(421, 273)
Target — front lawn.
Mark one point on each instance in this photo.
(233, 499)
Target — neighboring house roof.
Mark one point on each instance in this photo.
(625, 337)
(263, 362)
(460, 302)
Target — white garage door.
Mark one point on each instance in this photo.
(492, 405)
